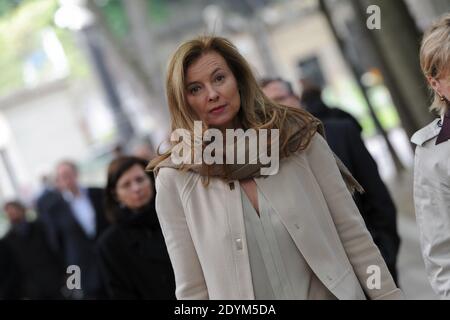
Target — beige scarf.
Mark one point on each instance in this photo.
(230, 172)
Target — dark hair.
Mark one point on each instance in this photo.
(116, 169)
(266, 81)
(15, 203)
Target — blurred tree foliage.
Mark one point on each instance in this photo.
(22, 22)
(7, 5)
(115, 15)
(21, 25)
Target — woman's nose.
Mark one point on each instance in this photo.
(212, 94)
(135, 187)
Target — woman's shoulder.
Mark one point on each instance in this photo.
(175, 181)
(317, 145)
(165, 173)
(427, 133)
(171, 177)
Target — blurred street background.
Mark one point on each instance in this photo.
(80, 78)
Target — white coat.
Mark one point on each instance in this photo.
(432, 204)
(205, 233)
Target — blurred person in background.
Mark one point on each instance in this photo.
(39, 273)
(74, 219)
(311, 100)
(118, 151)
(143, 149)
(234, 232)
(9, 274)
(432, 160)
(134, 259)
(375, 204)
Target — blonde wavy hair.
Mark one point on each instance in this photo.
(435, 57)
(257, 111)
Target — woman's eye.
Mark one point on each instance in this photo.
(125, 186)
(140, 179)
(194, 90)
(220, 78)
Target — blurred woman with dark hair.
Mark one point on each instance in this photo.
(133, 256)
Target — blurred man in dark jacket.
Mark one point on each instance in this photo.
(343, 136)
(9, 275)
(311, 100)
(36, 272)
(74, 218)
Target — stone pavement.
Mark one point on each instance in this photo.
(411, 269)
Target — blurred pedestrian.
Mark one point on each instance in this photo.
(375, 204)
(235, 232)
(74, 219)
(133, 254)
(432, 165)
(311, 100)
(9, 274)
(40, 274)
(118, 151)
(144, 149)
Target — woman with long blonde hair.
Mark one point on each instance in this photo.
(236, 231)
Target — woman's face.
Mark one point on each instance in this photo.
(212, 91)
(441, 85)
(134, 188)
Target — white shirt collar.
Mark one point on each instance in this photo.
(69, 196)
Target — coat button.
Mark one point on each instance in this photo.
(297, 226)
(239, 244)
(329, 278)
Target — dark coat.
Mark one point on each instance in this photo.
(321, 111)
(40, 272)
(68, 238)
(9, 274)
(376, 205)
(134, 259)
